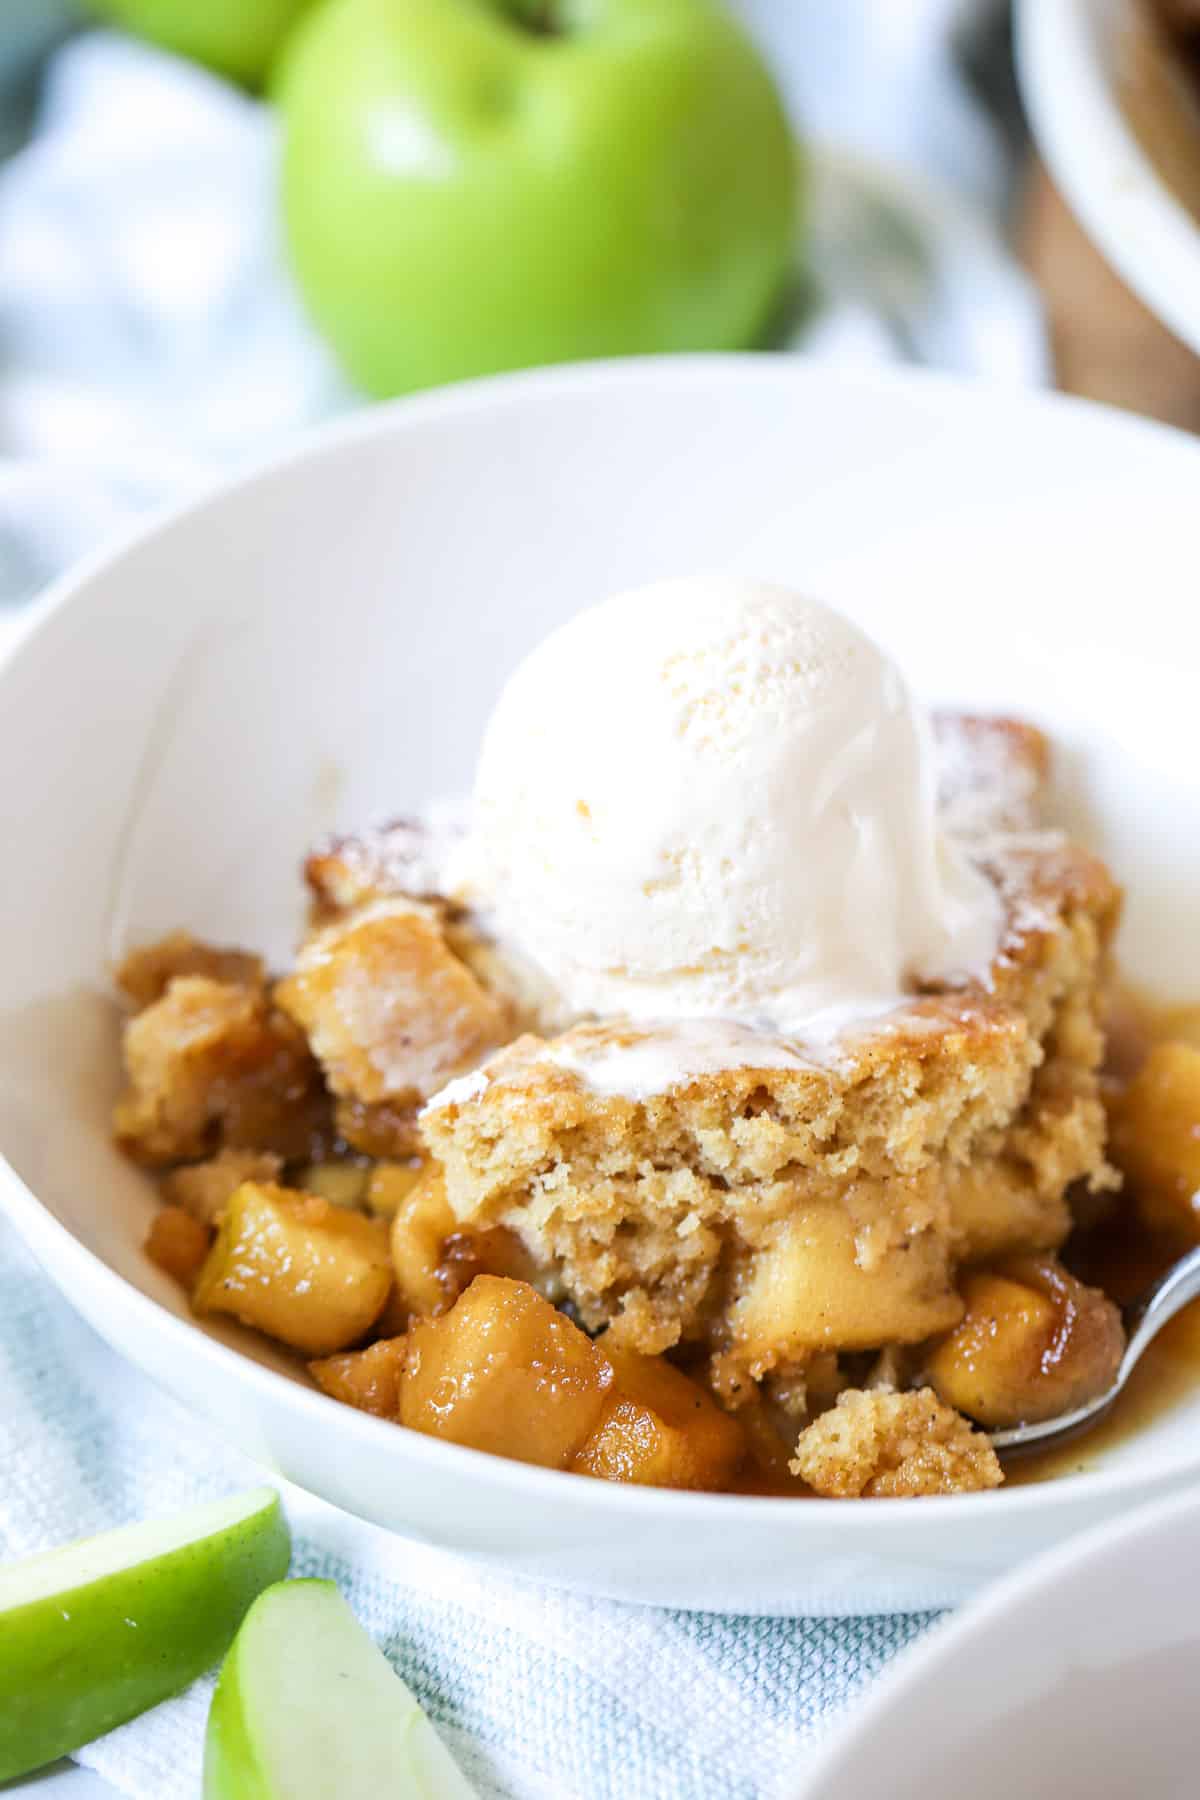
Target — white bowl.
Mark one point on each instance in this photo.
(1071, 55)
(319, 643)
(1077, 1676)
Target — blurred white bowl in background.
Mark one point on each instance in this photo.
(1076, 1676)
(1074, 58)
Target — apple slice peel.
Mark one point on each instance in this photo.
(307, 1707)
(95, 1632)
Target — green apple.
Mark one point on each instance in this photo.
(307, 1707)
(238, 38)
(473, 185)
(94, 1633)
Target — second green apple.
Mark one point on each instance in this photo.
(237, 38)
(474, 185)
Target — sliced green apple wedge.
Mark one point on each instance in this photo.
(307, 1707)
(94, 1633)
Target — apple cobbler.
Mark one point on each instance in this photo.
(789, 1269)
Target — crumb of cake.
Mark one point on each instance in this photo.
(391, 1012)
(144, 975)
(214, 1064)
(204, 1189)
(882, 1445)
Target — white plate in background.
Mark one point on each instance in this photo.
(319, 644)
(1077, 1677)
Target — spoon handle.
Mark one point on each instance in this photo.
(1145, 1318)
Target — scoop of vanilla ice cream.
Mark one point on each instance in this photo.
(716, 798)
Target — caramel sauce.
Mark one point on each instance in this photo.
(1167, 1374)
(762, 1486)
(1124, 1258)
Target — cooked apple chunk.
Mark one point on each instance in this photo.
(420, 1226)
(390, 1011)
(496, 1251)
(214, 1064)
(433, 1259)
(503, 1371)
(1033, 1343)
(660, 1429)
(1179, 1025)
(313, 1275)
(857, 1270)
(368, 1379)
(178, 1243)
(876, 1444)
(340, 1181)
(1156, 1139)
(390, 1184)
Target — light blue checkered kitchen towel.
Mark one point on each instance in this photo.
(538, 1693)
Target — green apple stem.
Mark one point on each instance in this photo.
(537, 16)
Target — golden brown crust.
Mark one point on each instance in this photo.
(215, 1064)
(397, 860)
(390, 1011)
(144, 975)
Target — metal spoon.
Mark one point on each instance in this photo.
(1144, 1319)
